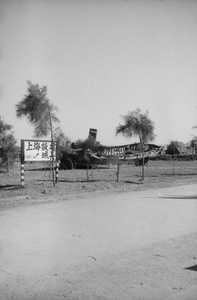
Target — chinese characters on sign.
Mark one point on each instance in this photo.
(39, 151)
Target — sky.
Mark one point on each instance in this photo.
(100, 59)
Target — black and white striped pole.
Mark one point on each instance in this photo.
(57, 171)
(22, 164)
(22, 175)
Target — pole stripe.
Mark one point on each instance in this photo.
(57, 172)
(22, 174)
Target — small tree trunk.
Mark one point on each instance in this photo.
(118, 171)
(92, 173)
(174, 161)
(142, 149)
(52, 148)
(87, 171)
(142, 164)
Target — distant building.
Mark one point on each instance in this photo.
(178, 148)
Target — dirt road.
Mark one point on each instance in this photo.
(133, 245)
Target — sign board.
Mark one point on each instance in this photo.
(37, 150)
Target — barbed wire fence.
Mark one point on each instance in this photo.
(111, 170)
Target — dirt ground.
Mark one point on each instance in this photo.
(75, 184)
(132, 246)
(156, 269)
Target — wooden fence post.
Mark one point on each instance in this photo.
(118, 171)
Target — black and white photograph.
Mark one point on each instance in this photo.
(98, 150)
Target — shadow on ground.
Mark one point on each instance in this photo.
(10, 186)
(72, 181)
(92, 180)
(133, 182)
(177, 174)
(192, 268)
(180, 197)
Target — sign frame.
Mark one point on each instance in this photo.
(44, 158)
(39, 144)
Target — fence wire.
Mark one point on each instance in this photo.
(107, 173)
